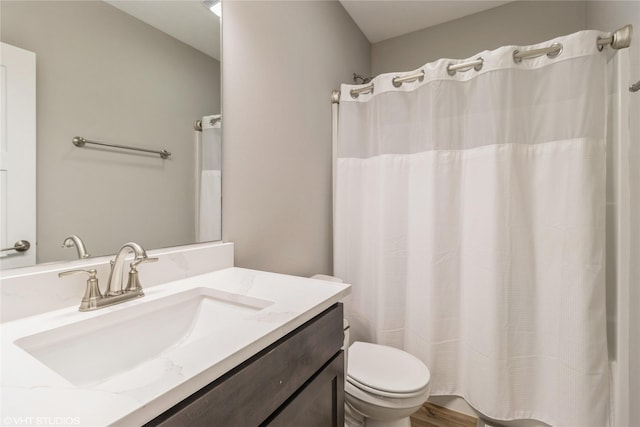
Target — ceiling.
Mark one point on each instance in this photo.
(190, 22)
(186, 20)
(383, 19)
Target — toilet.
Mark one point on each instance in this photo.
(383, 385)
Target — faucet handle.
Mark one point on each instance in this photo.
(133, 284)
(91, 293)
(139, 261)
(93, 273)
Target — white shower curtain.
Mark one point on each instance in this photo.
(208, 212)
(470, 220)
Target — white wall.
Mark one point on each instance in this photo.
(105, 75)
(281, 61)
(517, 23)
(608, 16)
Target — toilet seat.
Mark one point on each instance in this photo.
(386, 371)
(383, 393)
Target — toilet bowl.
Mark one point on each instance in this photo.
(383, 385)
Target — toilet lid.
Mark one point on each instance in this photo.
(386, 368)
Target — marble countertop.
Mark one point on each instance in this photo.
(34, 394)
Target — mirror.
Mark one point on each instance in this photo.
(105, 75)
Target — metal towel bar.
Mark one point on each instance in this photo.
(79, 141)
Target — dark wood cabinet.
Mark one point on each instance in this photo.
(298, 380)
(320, 403)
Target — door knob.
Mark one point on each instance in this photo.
(19, 246)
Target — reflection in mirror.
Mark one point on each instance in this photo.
(104, 74)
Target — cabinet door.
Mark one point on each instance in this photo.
(320, 403)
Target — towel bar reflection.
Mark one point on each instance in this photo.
(79, 141)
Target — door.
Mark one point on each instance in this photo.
(17, 156)
(320, 403)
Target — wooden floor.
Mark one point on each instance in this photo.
(431, 415)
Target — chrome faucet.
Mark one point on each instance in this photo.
(114, 294)
(73, 240)
(114, 285)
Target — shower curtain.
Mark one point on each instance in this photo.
(470, 220)
(208, 220)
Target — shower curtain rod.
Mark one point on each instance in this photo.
(619, 39)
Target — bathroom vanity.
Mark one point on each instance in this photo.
(225, 347)
(298, 380)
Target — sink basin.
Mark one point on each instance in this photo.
(91, 351)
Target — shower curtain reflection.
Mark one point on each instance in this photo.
(209, 201)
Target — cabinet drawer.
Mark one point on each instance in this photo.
(250, 393)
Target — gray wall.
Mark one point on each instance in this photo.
(106, 76)
(281, 61)
(607, 16)
(517, 23)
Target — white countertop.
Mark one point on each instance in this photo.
(34, 394)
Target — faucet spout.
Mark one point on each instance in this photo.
(114, 285)
(73, 240)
